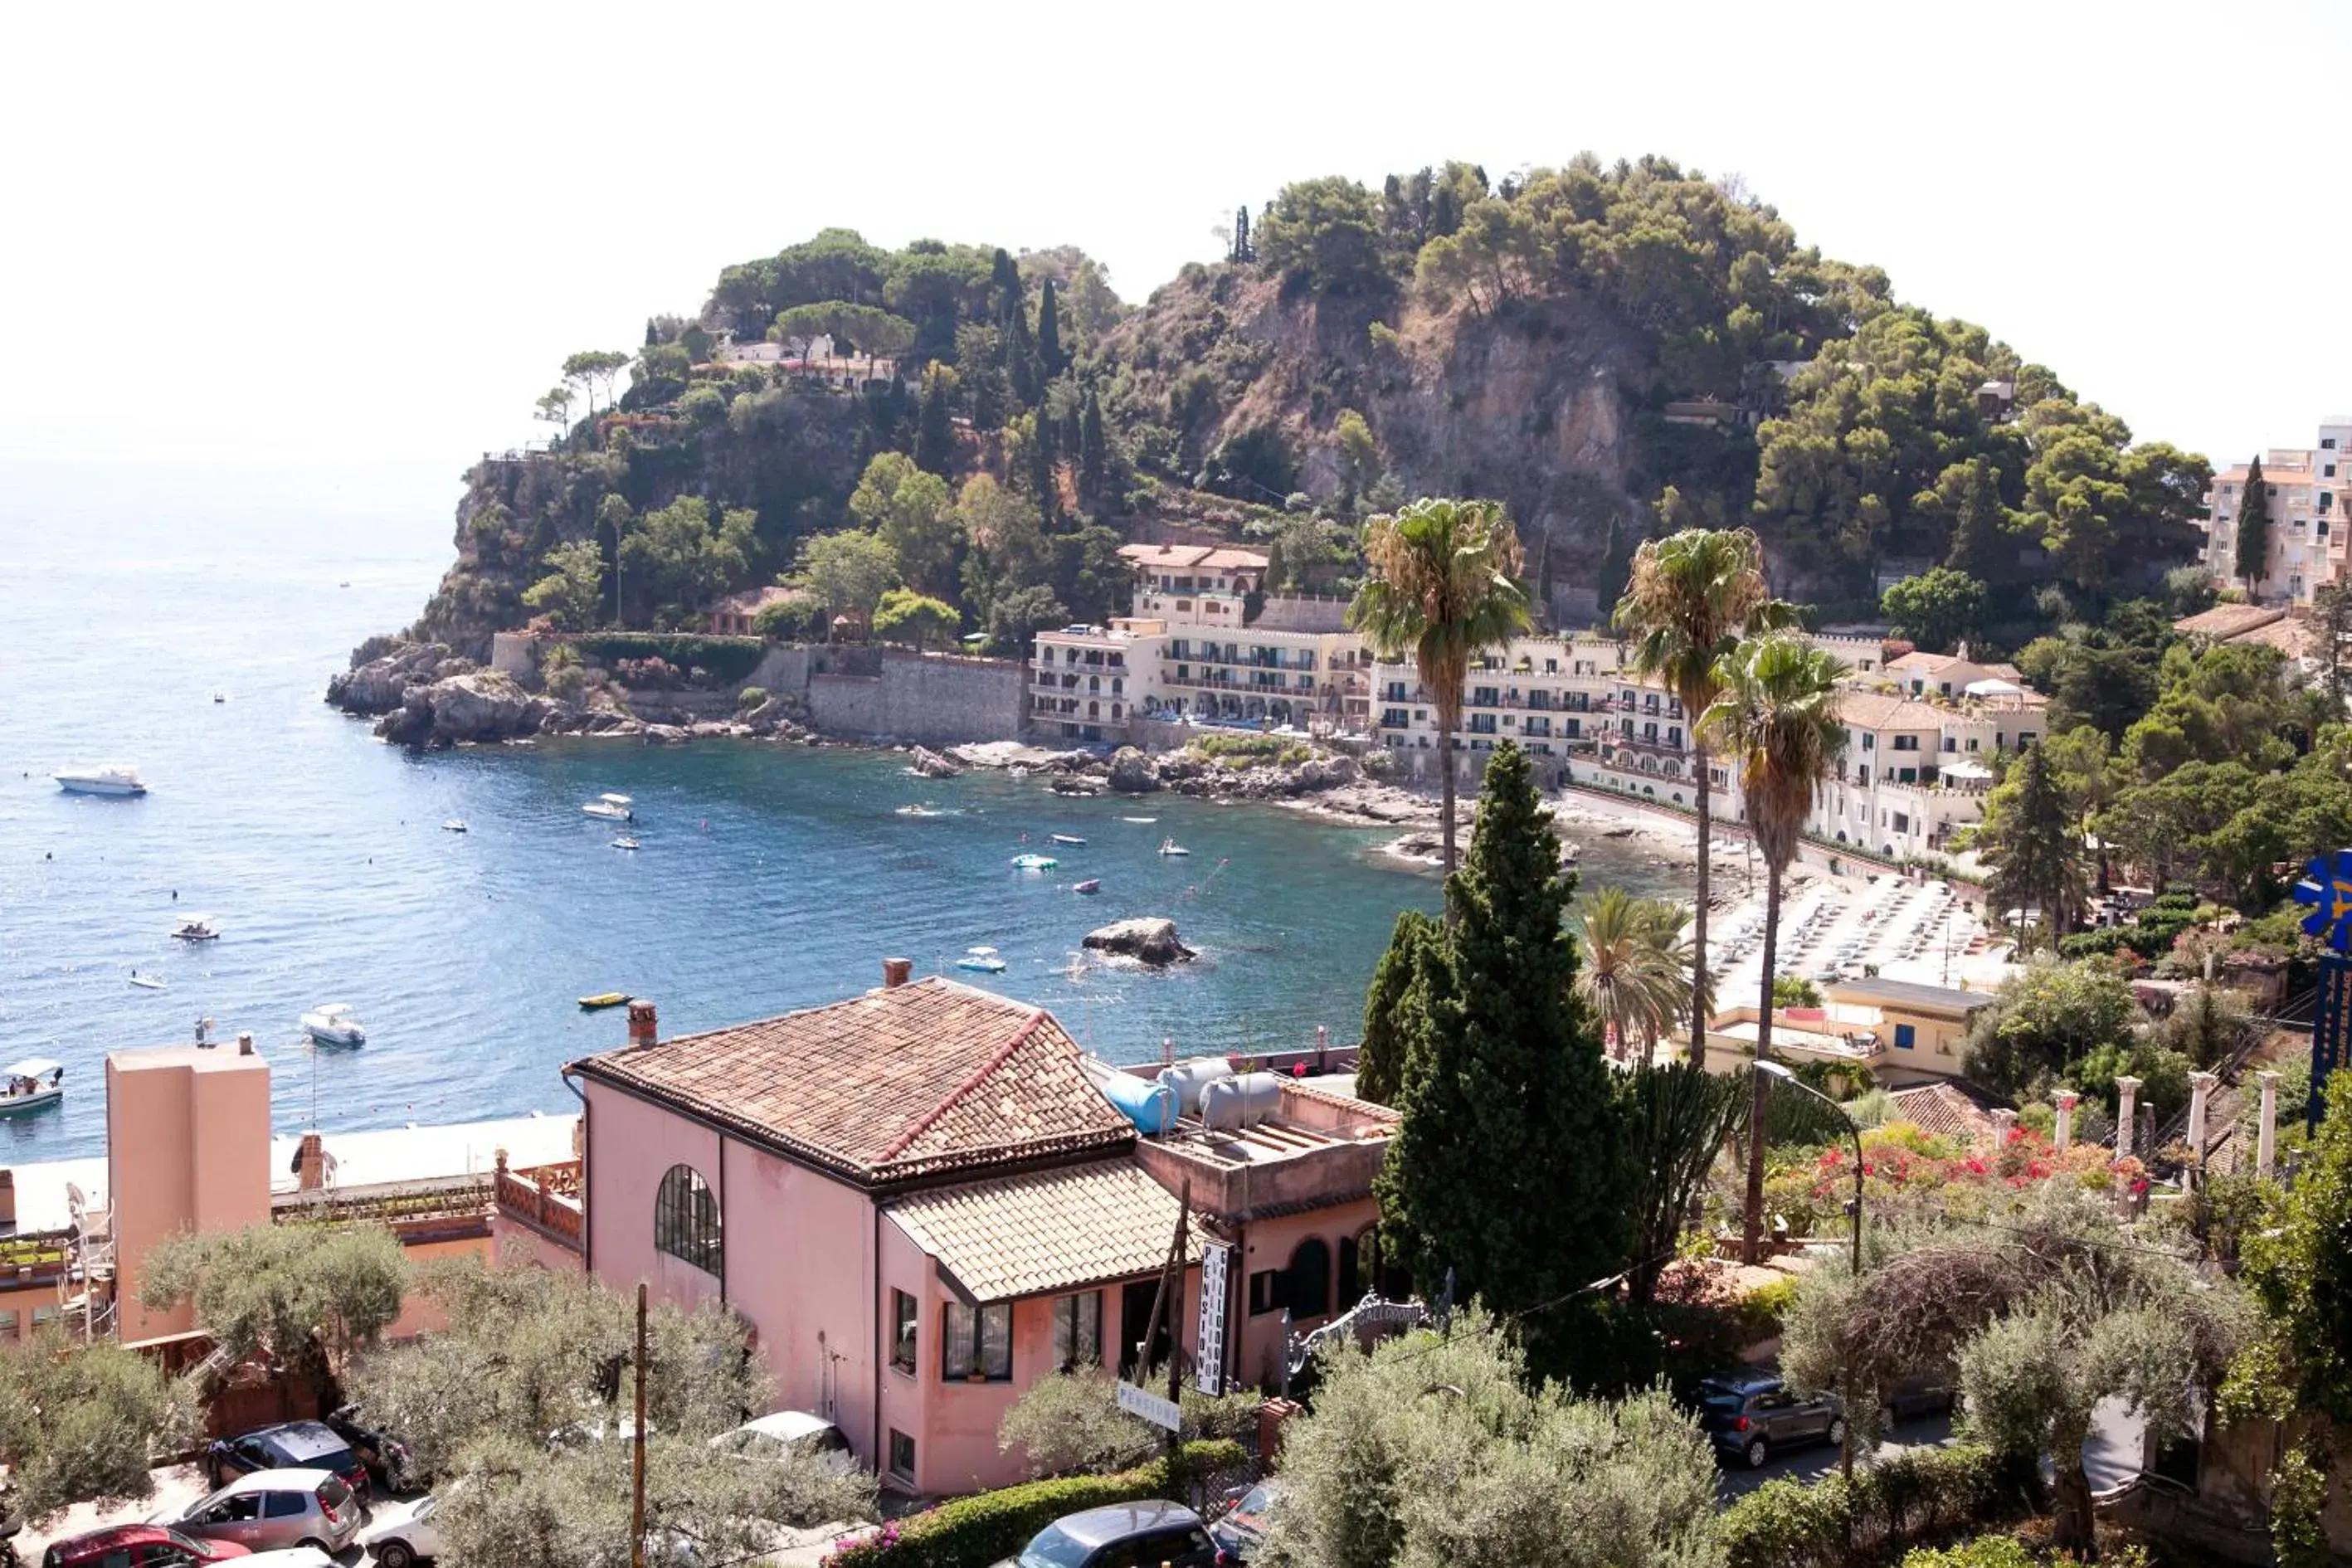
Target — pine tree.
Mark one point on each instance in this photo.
(2029, 839)
(1616, 569)
(2255, 530)
(1508, 1167)
(1380, 1060)
(1050, 357)
(934, 430)
(1094, 454)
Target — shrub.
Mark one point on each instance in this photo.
(750, 697)
(727, 659)
(993, 1525)
(1984, 1552)
(1921, 1494)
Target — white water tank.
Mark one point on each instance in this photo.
(1230, 1104)
(1189, 1079)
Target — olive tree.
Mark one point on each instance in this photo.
(82, 1422)
(300, 1298)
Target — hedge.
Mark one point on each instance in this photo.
(974, 1532)
(1920, 1495)
(728, 659)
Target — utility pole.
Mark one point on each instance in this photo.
(637, 1448)
(1167, 1298)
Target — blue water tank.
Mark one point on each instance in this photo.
(1150, 1105)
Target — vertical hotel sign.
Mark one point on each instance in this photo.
(2327, 887)
(1209, 1365)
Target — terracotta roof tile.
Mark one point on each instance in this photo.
(1179, 557)
(1876, 710)
(2224, 622)
(900, 1082)
(1046, 1232)
(1941, 1109)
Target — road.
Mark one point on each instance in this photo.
(2111, 1457)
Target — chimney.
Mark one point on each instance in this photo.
(643, 1029)
(244, 1042)
(895, 971)
(310, 1163)
(7, 1198)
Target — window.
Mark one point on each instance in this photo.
(1905, 1036)
(902, 1456)
(1869, 742)
(7, 1327)
(1308, 1286)
(1950, 744)
(285, 1505)
(164, 1555)
(976, 1341)
(904, 1316)
(1077, 1330)
(685, 1219)
(2327, 443)
(1902, 822)
(1907, 742)
(1265, 1292)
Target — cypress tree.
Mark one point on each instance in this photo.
(2029, 836)
(1012, 328)
(1093, 453)
(1380, 1061)
(1042, 456)
(1974, 525)
(934, 432)
(1509, 1167)
(1616, 569)
(1050, 357)
(2255, 530)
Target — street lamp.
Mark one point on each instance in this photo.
(1854, 1130)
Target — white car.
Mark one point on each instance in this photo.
(788, 1432)
(291, 1557)
(398, 1535)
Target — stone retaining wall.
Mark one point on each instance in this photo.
(938, 700)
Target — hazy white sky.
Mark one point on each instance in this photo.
(363, 239)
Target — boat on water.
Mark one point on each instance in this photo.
(197, 928)
(31, 1084)
(1144, 821)
(612, 807)
(1036, 862)
(1170, 847)
(220, 696)
(1067, 838)
(1091, 885)
(983, 958)
(602, 1000)
(922, 811)
(334, 1024)
(149, 982)
(113, 778)
(455, 824)
(625, 842)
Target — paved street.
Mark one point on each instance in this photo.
(2112, 1455)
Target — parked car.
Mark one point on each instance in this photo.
(1748, 1414)
(786, 1432)
(1238, 1530)
(289, 1557)
(137, 1546)
(271, 1508)
(1924, 1394)
(292, 1445)
(1123, 1535)
(398, 1536)
(391, 1468)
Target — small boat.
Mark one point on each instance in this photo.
(625, 842)
(1036, 862)
(220, 696)
(334, 1025)
(1091, 885)
(455, 824)
(114, 778)
(983, 958)
(1144, 821)
(602, 1000)
(31, 1084)
(1067, 838)
(612, 807)
(200, 928)
(1170, 847)
(922, 811)
(149, 982)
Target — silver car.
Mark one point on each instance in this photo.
(273, 1509)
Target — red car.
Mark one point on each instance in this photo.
(138, 1546)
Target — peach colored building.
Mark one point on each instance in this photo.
(922, 1202)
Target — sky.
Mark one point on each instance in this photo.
(355, 241)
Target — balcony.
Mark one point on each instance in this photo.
(545, 1198)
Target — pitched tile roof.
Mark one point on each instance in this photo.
(900, 1082)
(1046, 1232)
(1177, 557)
(2224, 622)
(1943, 1109)
(1876, 710)
(1909, 994)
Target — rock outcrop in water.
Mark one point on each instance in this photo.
(1131, 772)
(932, 765)
(465, 708)
(1150, 940)
(379, 681)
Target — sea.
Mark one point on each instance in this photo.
(187, 623)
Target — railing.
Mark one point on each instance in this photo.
(546, 1198)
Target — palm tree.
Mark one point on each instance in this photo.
(1634, 973)
(1693, 595)
(1775, 711)
(1444, 587)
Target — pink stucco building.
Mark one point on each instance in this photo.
(921, 1203)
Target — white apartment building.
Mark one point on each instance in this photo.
(2307, 490)
(1191, 653)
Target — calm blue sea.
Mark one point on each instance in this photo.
(768, 878)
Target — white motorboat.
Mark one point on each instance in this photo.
(1170, 847)
(114, 778)
(198, 928)
(625, 842)
(334, 1025)
(1067, 838)
(983, 958)
(31, 1084)
(612, 807)
(149, 982)
(455, 824)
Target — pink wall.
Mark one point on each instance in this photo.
(187, 1148)
(631, 1146)
(1269, 1244)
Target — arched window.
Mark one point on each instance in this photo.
(1308, 1282)
(685, 1219)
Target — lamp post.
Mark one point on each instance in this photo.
(1854, 1130)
